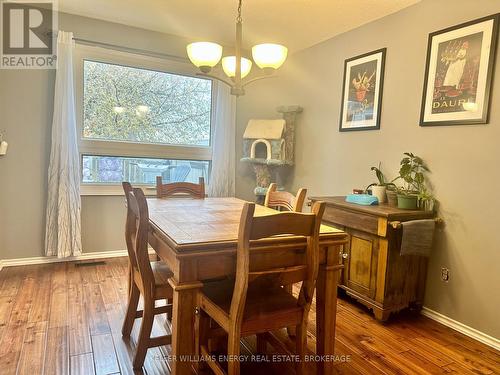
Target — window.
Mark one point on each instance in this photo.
(141, 117)
(115, 169)
(145, 106)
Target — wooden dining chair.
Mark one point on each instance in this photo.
(147, 278)
(253, 302)
(283, 200)
(180, 189)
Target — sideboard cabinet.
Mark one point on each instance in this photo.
(374, 272)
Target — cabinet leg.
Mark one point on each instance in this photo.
(382, 315)
(416, 307)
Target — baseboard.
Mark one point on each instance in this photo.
(462, 328)
(45, 260)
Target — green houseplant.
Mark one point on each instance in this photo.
(380, 188)
(426, 200)
(412, 173)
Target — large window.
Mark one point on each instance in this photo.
(138, 105)
(115, 169)
(140, 120)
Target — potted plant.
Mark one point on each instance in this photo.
(392, 195)
(412, 172)
(426, 200)
(380, 188)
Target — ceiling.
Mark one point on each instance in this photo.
(298, 24)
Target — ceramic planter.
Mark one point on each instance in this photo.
(407, 202)
(379, 192)
(427, 204)
(392, 198)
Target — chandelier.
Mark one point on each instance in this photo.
(267, 56)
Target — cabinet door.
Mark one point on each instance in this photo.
(360, 271)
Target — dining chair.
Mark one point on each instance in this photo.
(252, 302)
(149, 279)
(283, 200)
(180, 189)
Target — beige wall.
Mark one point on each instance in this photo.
(464, 159)
(26, 100)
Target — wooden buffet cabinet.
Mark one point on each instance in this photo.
(374, 272)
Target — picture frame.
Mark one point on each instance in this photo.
(362, 90)
(459, 73)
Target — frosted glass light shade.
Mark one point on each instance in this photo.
(204, 55)
(269, 55)
(229, 66)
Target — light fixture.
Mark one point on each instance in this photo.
(269, 55)
(206, 55)
(119, 109)
(229, 66)
(141, 110)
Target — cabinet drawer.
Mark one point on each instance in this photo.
(355, 220)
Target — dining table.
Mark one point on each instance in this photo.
(197, 239)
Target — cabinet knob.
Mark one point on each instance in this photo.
(345, 255)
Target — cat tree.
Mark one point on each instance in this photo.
(268, 145)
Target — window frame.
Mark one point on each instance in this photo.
(99, 147)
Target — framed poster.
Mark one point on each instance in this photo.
(459, 72)
(362, 91)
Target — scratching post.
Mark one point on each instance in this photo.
(268, 146)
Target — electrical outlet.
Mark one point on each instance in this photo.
(445, 274)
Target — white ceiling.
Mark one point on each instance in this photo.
(297, 24)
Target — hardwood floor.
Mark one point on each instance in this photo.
(65, 318)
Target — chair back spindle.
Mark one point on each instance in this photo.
(180, 189)
(283, 200)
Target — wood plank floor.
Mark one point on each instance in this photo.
(66, 319)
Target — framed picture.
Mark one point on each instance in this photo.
(459, 72)
(362, 91)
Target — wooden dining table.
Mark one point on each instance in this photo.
(197, 239)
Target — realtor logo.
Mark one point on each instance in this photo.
(27, 41)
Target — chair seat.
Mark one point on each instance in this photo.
(267, 306)
(161, 274)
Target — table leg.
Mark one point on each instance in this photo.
(326, 309)
(183, 322)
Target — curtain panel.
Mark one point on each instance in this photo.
(222, 177)
(63, 224)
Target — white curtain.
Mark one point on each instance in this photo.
(222, 178)
(63, 227)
